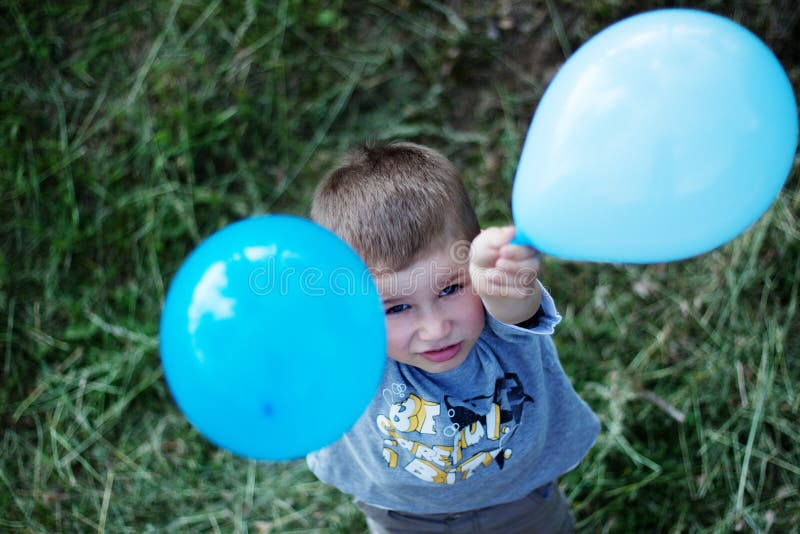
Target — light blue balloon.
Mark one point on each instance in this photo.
(662, 137)
(272, 337)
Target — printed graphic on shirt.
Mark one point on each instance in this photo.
(444, 442)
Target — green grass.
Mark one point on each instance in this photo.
(131, 130)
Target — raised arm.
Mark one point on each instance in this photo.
(505, 275)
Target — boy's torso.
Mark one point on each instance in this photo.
(503, 423)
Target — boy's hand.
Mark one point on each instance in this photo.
(505, 275)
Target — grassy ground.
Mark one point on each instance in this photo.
(131, 130)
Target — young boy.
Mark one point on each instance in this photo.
(475, 419)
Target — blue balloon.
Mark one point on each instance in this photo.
(662, 137)
(272, 337)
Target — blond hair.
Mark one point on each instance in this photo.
(394, 202)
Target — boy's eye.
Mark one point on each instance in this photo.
(397, 309)
(449, 290)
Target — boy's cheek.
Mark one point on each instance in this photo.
(396, 347)
(470, 315)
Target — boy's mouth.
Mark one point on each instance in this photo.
(442, 354)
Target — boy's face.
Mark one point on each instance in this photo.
(433, 317)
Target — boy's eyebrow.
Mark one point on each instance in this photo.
(448, 278)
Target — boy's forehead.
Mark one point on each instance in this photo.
(429, 271)
(445, 254)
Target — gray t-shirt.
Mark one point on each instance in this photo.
(503, 423)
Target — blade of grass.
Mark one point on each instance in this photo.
(101, 522)
(558, 29)
(150, 59)
(764, 381)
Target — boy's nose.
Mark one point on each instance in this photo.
(434, 327)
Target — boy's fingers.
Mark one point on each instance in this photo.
(499, 286)
(519, 257)
(519, 273)
(517, 252)
(486, 246)
(501, 235)
(482, 257)
(513, 266)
